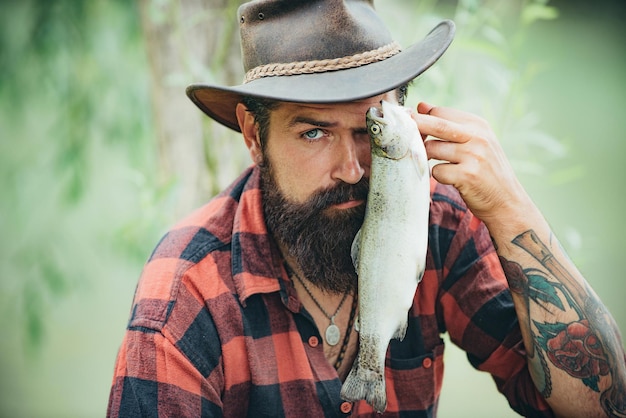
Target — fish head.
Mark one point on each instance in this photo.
(390, 128)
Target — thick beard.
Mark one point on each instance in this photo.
(316, 235)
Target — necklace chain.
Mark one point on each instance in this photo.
(330, 317)
(346, 339)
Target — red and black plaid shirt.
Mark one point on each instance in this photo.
(217, 329)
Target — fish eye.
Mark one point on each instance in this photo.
(375, 129)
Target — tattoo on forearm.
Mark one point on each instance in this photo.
(587, 348)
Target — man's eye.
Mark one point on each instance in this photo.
(313, 134)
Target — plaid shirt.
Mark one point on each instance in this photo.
(217, 329)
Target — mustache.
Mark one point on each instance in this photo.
(340, 193)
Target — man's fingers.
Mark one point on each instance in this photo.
(448, 113)
(424, 108)
(438, 122)
(450, 124)
(442, 150)
(445, 173)
(443, 129)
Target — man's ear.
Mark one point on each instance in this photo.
(250, 132)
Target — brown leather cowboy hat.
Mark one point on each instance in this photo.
(318, 51)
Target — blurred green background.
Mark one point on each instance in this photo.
(100, 151)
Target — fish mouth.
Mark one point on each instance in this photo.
(376, 114)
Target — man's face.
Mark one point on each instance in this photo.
(316, 162)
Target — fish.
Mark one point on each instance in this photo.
(389, 251)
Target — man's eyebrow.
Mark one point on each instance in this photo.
(310, 121)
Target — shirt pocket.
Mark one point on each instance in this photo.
(414, 384)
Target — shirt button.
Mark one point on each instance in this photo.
(427, 362)
(313, 341)
(346, 407)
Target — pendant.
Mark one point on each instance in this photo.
(332, 334)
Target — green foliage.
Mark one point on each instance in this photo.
(79, 156)
(490, 70)
(485, 72)
(74, 110)
(538, 10)
(75, 117)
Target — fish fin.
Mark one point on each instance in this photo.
(355, 250)
(359, 385)
(420, 163)
(420, 275)
(401, 331)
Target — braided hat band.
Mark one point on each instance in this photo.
(321, 66)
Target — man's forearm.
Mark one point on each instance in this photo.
(574, 350)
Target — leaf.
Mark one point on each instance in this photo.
(544, 384)
(592, 382)
(534, 12)
(540, 289)
(568, 174)
(53, 276)
(33, 316)
(547, 332)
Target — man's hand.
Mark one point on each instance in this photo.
(553, 302)
(474, 162)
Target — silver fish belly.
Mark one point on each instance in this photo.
(389, 252)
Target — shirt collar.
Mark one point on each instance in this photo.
(257, 264)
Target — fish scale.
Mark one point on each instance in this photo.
(389, 251)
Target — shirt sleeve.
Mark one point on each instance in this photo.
(154, 378)
(170, 359)
(476, 308)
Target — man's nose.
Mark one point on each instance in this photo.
(351, 161)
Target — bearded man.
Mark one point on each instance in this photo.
(229, 312)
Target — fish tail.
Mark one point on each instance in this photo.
(377, 396)
(356, 388)
(366, 379)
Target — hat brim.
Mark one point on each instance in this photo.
(340, 86)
